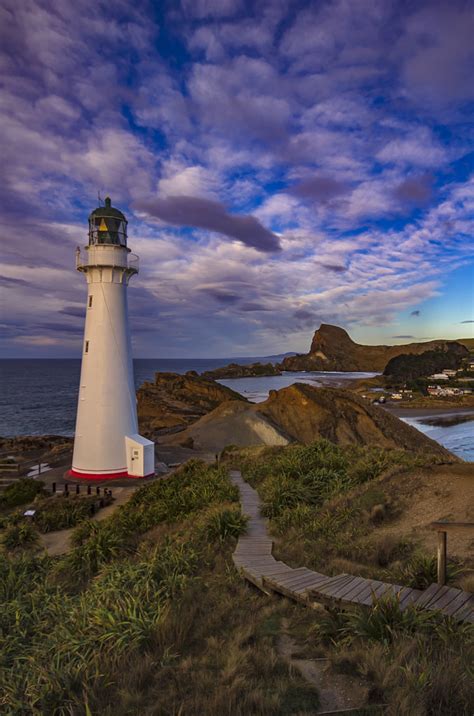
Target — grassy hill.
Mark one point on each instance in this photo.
(146, 615)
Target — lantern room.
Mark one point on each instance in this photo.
(107, 225)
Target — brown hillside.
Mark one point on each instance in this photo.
(333, 349)
(302, 413)
(175, 400)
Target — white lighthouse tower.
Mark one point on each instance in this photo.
(106, 443)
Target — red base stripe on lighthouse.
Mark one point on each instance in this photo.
(105, 475)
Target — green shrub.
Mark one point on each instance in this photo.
(59, 513)
(97, 543)
(21, 535)
(21, 492)
(421, 570)
(385, 620)
(226, 524)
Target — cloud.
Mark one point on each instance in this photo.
(332, 138)
(403, 336)
(415, 190)
(201, 9)
(319, 188)
(211, 215)
(467, 321)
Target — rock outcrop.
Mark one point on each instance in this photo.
(333, 349)
(236, 370)
(303, 413)
(175, 400)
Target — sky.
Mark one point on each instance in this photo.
(281, 165)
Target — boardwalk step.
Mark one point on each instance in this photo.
(254, 560)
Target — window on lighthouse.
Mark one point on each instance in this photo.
(108, 230)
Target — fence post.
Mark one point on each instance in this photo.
(89, 490)
(53, 486)
(442, 550)
(78, 489)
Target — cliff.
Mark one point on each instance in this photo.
(333, 349)
(235, 370)
(175, 400)
(303, 413)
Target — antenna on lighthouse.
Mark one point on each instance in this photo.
(99, 198)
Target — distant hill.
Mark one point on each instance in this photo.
(333, 349)
(409, 366)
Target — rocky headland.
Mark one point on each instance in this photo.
(333, 349)
(303, 413)
(173, 401)
(235, 370)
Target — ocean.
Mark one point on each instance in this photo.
(40, 396)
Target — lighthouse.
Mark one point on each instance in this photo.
(106, 442)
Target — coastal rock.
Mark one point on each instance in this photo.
(174, 400)
(232, 423)
(235, 370)
(333, 349)
(303, 413)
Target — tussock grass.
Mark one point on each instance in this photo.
(21, 492)
(323, 501)
(145, 616)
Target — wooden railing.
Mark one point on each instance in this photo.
(442, 529)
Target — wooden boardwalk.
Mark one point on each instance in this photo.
(253, 558)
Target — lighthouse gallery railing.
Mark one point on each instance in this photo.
(83, 259)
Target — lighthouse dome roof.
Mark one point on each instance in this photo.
(108, 210)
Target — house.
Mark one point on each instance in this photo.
(450, 373)
(438, 376)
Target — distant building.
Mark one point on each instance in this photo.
(438, 376)
(449, 372)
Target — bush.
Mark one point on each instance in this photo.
(226, 524)
(421, 570)
(59, 513)
(21, 492)
(21, 535)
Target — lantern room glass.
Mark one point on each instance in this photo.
(107, 230)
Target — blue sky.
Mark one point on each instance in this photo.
(281, 164)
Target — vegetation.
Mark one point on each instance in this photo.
(414, 662)
(145, 615)
(324, 501)
(21, 492)
(59, 512)
(410, 366)
(19, 536)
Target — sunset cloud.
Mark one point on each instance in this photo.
(278, 168)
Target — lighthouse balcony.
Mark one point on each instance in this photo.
(106, 257)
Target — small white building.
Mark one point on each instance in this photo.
(450, 373)
(438, 376)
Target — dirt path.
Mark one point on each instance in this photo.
(336, 691)
(57, 543)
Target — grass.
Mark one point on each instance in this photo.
(324, 501)
(146, 615)
(21, 492)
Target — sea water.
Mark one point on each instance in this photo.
(39, 397)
